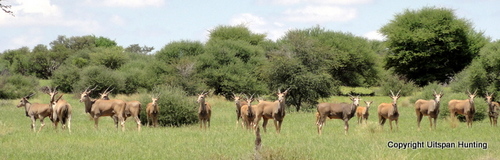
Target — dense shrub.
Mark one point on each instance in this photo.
(16, 86)
(66, 77)
(176, 108)
(396, 83)
(101, 77)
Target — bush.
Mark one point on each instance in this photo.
(101, 77)
(176, 108)
(16, 86)
(396, 83)
(66, 77)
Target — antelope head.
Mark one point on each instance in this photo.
(24, 100)
(368, 104)
(437, 97)
(355, 100)
(471, 96)
(201, 97)
(489, 97)
(281, 95)
(51, 92)
(395, 97)
(105, 94)
(86, 93)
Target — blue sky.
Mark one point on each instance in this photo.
(158, 22)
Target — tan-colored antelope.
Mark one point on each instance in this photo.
(493, 109)
(132, 108)
(271, 110)
(238, 101)
(389, 111)
(61, 110)
(428, 108)
(248, 113)
(152, 111)
(114, 108)
(343, 111)
(463, 107)
(205, 111)
(363, 112)
(35, 111)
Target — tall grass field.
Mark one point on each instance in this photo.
(227, 140)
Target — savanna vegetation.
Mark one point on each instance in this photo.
(426, 50)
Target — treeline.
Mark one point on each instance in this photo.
(312, 62)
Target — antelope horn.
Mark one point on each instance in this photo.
(29, 96)
(59, 98)
(398, 93)
(106, 90)
(392, 93)
(93, 88)
(475, 91)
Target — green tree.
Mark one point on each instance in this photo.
(482, 73)
(231, 59)
(111, 57)
(430, 44)
(135, 48)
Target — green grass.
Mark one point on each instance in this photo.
(224, 140)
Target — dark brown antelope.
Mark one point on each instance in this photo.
(114, 108)
(238, 101)
(493, 109)
(463, 107)
(248, 113)
(152, 111)
(428, 108)
(132, 108)
(363, 112)
(389, 111)
(35, 111)
(271, 110)
(343, 111)
(205, 111)
(61, 109)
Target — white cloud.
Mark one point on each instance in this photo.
(115, 19)
(247, 19)
(38, 7)
(127, 3)
(258, 24)
(321, 14)
(374, 35)
(335, 2)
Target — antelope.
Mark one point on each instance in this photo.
(35, 111)
(239, 103)
(248, 113)
(96, 108)
(493, 108)
(271, 110)
(132, 108)
(61, 109)
(389, 111)
(343, 111)
(205, 111)
(428, 108)
(363, 112)
(152, 111)
(463, 107)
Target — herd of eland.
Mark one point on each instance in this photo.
(59, 110)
